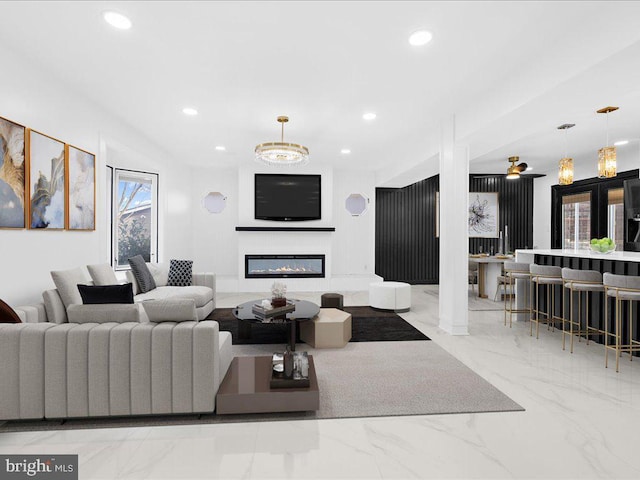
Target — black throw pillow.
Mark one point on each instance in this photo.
(106, 293)
(139, 268)
(8, 314)
(180, 273)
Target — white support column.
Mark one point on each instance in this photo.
(454, 234)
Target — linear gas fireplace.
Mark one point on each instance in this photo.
(284, 266)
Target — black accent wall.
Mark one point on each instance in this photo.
(407, 249)
(515, 198)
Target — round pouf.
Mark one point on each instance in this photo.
(331, 300)
(394, 296)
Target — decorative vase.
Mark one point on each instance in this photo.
(278, 302)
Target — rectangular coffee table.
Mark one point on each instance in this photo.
(245, 389)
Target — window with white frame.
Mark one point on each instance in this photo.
(135, 217)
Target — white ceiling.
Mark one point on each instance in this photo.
(510, 71)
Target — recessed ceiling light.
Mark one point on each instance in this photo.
(220, 148)
(117, 20)
(189, 111)
(345, 151)
(529, 168)
(369, 116)
(419, 38)
(621, 142)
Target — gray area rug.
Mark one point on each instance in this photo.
(370, 379)
(406, 378)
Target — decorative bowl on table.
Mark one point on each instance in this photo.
(602, 245)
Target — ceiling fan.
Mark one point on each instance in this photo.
(513, 172)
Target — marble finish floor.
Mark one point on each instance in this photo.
(579, 422)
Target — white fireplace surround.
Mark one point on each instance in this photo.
(284, 266)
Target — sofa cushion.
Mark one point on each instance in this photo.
(160, 273)
(102, 274)
(8, 314)
(56, 312)
(143, 276)
(66, 282)
(201, 295)
(106, 313)
(132, 280)
(180, 273)
(172, 309)
(106, 293)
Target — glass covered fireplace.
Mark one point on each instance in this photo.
(284, 266)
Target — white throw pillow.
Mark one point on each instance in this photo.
(66, 281)
(171, 310)
(102, 274)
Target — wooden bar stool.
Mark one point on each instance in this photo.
(549, 276)
(622, 288)
(579, 281)
(514, 271)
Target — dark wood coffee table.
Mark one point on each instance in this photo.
(245, 389)
(304, 311)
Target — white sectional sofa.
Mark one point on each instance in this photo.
(55, 369)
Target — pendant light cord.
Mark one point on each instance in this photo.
(607, 129)
(282, 134)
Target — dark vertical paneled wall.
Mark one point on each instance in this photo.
(407, 249)
(515, 200)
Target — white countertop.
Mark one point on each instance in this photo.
(523, 255)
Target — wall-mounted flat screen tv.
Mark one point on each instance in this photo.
(287, 198)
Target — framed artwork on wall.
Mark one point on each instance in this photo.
(46, 181)
(483, 215)
(81, 189)
(13, 213)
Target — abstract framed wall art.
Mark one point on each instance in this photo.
(46, 180)
(81, 189)
(483, 215)
(13, 213)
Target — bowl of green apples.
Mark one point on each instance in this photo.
(602, 245)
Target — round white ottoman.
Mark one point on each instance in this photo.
(394, 296)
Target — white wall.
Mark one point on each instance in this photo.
(354, 238)
(219, 248)
(628, 159)
(214, 239)
(33, 98)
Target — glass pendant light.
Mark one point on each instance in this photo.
(565, 174)
(607, 155)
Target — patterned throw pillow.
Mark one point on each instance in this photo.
(180, 272)
(141, 272)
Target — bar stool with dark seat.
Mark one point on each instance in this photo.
(622, 288)
(549, 276)
(514, 271)
(579, 281)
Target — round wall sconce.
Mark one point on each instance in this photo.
(214, 202)
(356, 204)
